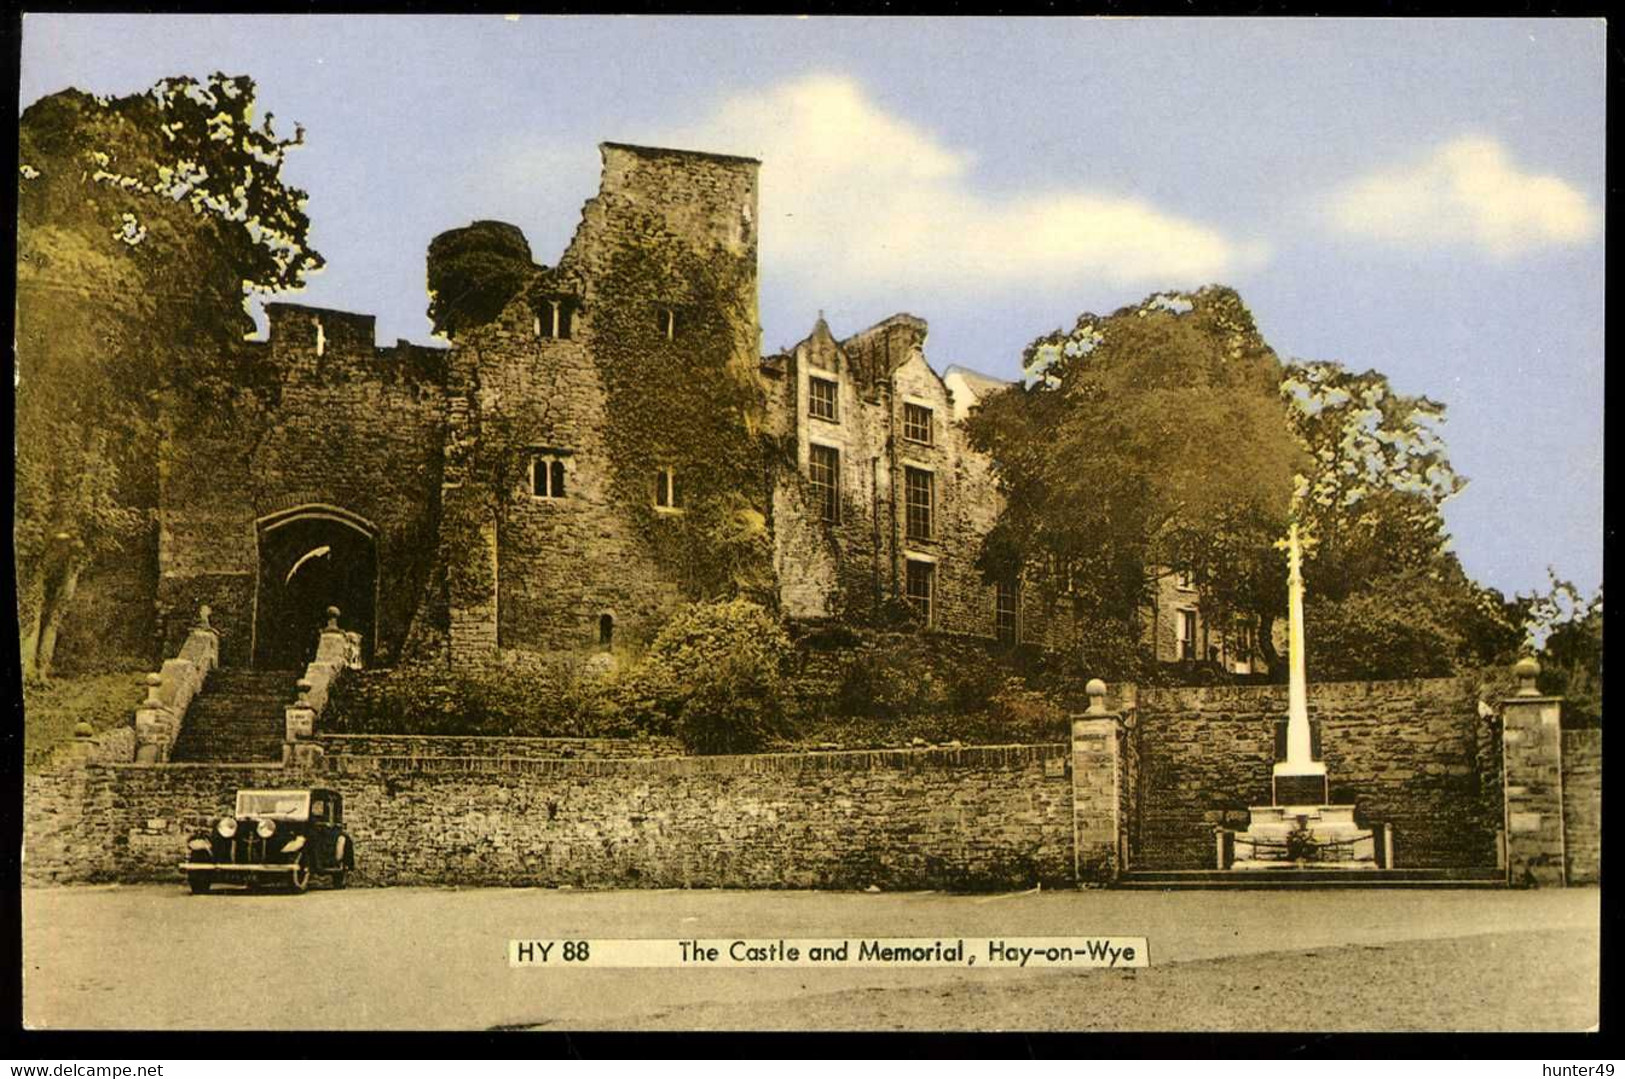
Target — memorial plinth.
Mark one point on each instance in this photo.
(1278, 837)
(1299, 784)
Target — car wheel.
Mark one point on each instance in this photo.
(299, 879)
(199, 883)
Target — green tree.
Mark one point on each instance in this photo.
(143, 224)
(1388, 598)
(473, 272)
(1566, 630)
(1378, 477)
(1150, 440)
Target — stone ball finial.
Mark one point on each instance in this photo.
(1527, 670)
(1097, 695)
(332, 618)
(203, 613)
(153, 681)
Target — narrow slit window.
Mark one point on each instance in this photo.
(823, 481)
(920, 585)
(606, 630)
(821, 399)
(321, 338)
(666, 494)
(666, 322)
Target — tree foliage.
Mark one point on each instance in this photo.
(1148, 440)
(1167, 436)
(473, 272)
(1388, 596)
(1566, 628)
(1379, 476)
(143, 223)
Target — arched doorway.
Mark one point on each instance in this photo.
(311, 558)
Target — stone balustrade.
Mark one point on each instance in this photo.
(337, 651)
(171, 689)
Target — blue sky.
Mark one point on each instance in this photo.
(1423, 197)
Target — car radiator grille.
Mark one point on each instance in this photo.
(248, 850)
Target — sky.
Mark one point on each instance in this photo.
(1423, 197)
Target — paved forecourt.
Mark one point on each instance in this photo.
(433, 958)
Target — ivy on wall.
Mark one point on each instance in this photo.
(689, 401)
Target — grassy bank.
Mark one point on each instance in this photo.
(52, 709)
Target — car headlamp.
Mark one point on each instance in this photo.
(266, 829)
(227, 827)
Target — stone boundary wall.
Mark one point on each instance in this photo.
(1414, 754)
(990, 817)
(429, 745)
(1582, 805)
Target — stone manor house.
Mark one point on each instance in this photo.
(352, 487)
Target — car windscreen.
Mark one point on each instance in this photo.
(282, 805)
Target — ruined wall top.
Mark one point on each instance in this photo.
(306, 339)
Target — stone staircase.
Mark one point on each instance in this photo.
(237, 717)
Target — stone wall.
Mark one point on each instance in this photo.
(1582, 805)
(517, 748)
(985, 818)
(129, 822)
(1412, 754)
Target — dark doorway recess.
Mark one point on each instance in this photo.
(311, 559)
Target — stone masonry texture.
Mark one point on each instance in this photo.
(516, 748)
(1097, 778)
(1582, 805)
(1412, 754)
(981, 818)
(1535, 800)
(356, 427)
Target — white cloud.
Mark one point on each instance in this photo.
(855, 196)
(1469, 191)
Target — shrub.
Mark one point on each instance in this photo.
(1026, 711)
(717, 671)
(897, 676)
(549, 699)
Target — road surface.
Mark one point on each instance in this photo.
(154, 957)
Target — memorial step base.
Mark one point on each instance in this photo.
(1310, 878)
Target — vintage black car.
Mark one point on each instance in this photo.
(276, 837)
